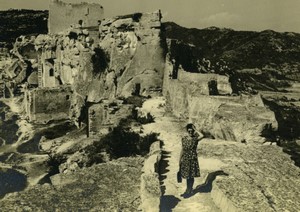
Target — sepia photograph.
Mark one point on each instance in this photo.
(150, 106)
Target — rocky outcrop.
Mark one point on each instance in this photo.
(259, 177)
(134, 44)
(239, 118)
(123, 57)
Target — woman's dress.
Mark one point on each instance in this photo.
(189, 166)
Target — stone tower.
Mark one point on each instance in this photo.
(62, 15)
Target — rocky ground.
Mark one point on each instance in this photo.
(112, 186)
(30, 167)
(235, 176)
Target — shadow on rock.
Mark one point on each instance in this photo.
(207, 186)
(164, 163)
(11, 181)
(168, 202)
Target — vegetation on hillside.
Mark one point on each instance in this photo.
(21, 22)
(242, 49)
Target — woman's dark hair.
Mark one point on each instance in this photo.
(190, 126)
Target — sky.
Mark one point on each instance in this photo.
(254, 15)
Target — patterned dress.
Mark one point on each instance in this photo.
(189, 166)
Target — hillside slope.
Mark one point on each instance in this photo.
(242, 49)
(22, 22)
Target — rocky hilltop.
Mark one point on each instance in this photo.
(95, 102)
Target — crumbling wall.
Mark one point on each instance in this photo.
(223, 86)
(63, 15)
(45, 104)
(106, 115)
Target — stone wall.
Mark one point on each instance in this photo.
(203, 81)
(63, 15)
(44, 104)
(106, 115)
(48, 75)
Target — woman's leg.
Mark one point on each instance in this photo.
(190, 183)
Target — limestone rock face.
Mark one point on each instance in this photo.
(123, 57)
(136, 53)
(259, 177)
(33, 78)
(237, 118)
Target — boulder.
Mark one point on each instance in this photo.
(33, 78)
(122, 23)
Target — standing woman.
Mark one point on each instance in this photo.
(188, 161)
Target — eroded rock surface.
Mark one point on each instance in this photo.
(103, 187)
(239, 118)
(236, 176)
(260, 177)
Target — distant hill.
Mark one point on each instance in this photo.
(14, 23)
(242, 49)
(267, 62)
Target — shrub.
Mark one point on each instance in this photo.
(121, 142)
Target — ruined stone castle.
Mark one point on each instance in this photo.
(86, 67)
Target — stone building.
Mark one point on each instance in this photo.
(45, 104)
(62, 15)
(106, 115)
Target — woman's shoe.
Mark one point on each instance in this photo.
(187, 194)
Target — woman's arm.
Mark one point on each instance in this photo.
(199, 135)
(180, 156)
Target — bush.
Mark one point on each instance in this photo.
(121, 142)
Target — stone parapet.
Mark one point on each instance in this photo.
(150, 186)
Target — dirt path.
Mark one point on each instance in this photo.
(171, 130)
